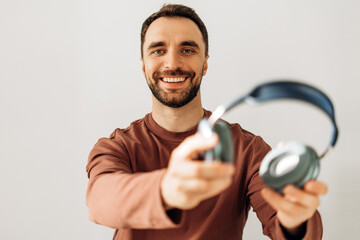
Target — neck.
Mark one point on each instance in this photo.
(178, 119)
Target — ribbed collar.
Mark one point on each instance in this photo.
(168, 135)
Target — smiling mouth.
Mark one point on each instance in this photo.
(173, 79)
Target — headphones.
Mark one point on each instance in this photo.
(293, 163)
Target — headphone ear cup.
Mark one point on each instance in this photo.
(293, 163)
(224, 150)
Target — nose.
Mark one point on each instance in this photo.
(173, 61)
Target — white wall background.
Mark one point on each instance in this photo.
(70, 74)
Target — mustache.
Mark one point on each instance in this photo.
(177, 72)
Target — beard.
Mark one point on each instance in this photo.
(174, 98)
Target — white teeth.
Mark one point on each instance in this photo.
(174, 79)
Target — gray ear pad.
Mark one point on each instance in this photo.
(293, 163)
(224, 150)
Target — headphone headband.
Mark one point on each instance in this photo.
(284, 90)
(299, 91)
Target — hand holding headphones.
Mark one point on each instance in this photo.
(294, 163)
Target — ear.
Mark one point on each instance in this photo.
(205, 65)
(142, 65)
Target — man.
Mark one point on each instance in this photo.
(147, 182)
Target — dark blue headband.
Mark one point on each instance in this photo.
(283, 90)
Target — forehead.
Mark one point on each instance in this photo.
(176, 29)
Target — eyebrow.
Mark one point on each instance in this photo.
(184, 43)
(155, 45)
(190, 44)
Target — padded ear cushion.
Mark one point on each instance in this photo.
(293, 163)
(224, 150)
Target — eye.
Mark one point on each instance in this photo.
(188, 51)
(158, 51)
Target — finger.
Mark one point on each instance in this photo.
(194, 169)
(194, 185)
(217, 186)
(278, 202)
(296, 195)
(200, 186)
(195, 144)
(272, 197)
(316, 187)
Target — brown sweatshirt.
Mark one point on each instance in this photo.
(123, 192)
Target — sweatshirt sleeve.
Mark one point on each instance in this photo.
(267, 216)
(117, 197)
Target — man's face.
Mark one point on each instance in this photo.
(174, 60)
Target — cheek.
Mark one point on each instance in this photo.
(151, 67)
(198, 64)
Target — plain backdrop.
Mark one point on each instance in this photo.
(70, 73)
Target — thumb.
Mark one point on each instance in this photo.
(195, 144)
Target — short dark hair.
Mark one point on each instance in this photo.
(175, 10)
